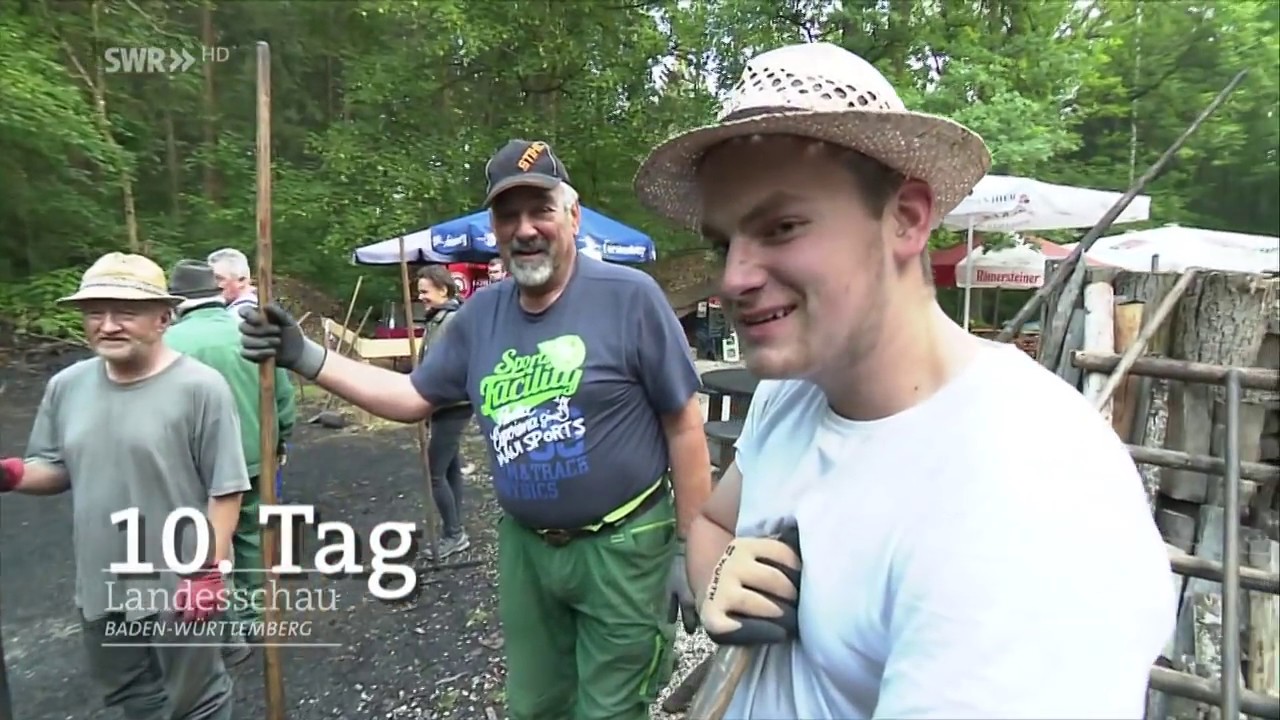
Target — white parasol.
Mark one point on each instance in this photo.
(1008, 203)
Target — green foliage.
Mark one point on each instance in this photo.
(384, 111)
(31, 308)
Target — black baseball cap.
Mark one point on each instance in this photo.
(523, 162)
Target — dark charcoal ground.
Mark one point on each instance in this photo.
(439, 656)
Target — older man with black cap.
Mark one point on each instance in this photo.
(141, 433)
(205, 331)
(584, 390)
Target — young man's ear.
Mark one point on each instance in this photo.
(911, 215)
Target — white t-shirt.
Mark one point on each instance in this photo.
(988, 553)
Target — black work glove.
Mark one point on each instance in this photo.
(755, 592)
(270, 332)
(683, 602)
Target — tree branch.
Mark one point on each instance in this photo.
(152, 22)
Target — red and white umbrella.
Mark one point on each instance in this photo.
(1007, 203)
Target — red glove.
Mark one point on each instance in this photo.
(200, 596)
(11, 471)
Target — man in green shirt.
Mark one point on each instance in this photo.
(206, 331)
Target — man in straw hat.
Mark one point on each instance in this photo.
(141, 432)
(946, 490)
(205, 331)
(582, 384)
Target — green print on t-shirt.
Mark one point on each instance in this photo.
(526, 381)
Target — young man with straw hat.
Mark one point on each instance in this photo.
(140, 432)
(582, 384)
(973, 537)
(204, 330)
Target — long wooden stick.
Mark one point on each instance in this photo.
(6, 704)
(1149, 330)
(1066, 270)
(433, 530)
(268, 429)
(346, 324)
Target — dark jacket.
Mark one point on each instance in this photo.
(436, 319)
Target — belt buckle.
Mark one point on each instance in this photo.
(556, 538)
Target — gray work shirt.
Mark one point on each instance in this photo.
(571, 399)
(167, 442)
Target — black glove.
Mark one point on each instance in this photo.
(754, 592)
(270, 332)
(683, 603)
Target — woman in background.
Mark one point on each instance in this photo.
(439, 295)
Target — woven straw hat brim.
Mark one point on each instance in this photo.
(119, 292)
(939, 151)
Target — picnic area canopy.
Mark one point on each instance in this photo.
(470, 239)
(1018, 267)
(1176, 249)
(1008, 203)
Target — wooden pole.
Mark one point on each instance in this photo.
(346, 324)
(433, 531)
(1183, 370)
(1067, 270)
(268, 429)
(1149, 330)
(6, 704)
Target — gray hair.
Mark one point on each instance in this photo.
(234, 260)
(566, 196)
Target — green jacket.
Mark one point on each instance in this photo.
(212, 335)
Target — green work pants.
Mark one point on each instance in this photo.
(248, 582)
(585, 624)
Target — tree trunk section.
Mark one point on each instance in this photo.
(175, 167)
(1222, 320)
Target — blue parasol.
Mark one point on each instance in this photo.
(470, 239)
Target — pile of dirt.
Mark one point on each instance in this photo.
(300, 298)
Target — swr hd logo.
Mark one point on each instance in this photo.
(159, 60)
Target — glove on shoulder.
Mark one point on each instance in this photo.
(754, 592)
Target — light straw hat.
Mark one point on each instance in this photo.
(824, 92)
(119, 276)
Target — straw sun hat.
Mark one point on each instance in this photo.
(118, 276)
(824, 92)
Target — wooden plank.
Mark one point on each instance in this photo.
(1262, 649)
(1269, 440)
(1047, 325)
(1178, 529)
(1128, 323)
(1250, 438)
(1075, 338)
(1150, 418)
(1193, 634)
(1099, 336)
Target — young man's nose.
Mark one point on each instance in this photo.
(743, 271)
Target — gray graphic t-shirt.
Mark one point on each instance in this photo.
(167, 442)
(571, 399)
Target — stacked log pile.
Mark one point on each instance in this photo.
(1226, 319)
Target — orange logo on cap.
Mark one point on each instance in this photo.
(531, 156)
